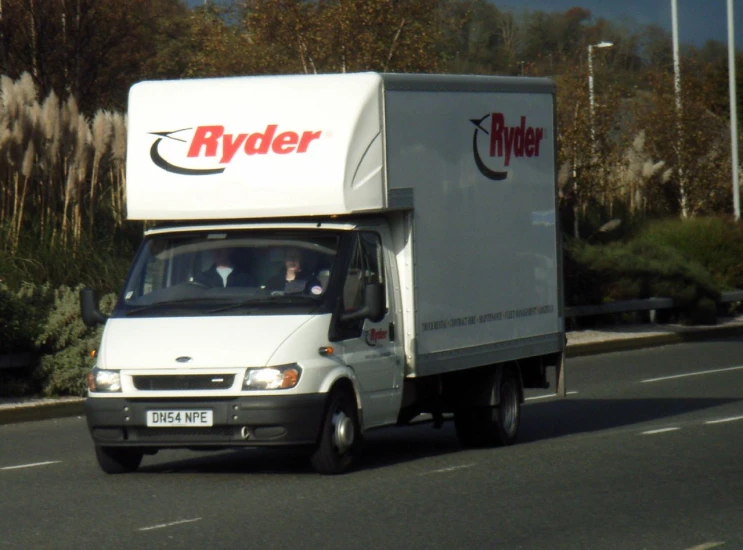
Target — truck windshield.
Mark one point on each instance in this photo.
(229, 272)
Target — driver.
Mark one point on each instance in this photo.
(223, 272)
(293, 280)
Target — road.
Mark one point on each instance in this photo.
(646, 454)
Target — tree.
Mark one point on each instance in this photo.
(91, 49)
(215, 44)
(477, 38)
(343, 35)
(703, 148)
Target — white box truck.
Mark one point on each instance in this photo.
(329, 254)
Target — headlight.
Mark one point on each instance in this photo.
(272, 378)
(104, 380)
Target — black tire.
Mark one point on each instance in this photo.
(332, 457)
(118, 460)
(492, 426)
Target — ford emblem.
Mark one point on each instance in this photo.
(183, 359)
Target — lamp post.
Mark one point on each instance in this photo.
(679, 110)
(733, 111)
(590, 87)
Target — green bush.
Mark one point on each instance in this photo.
(67, 342)
(582, 284)
(100, 263)
(714, 243)
(642, 269)
(22, 314)
(15, 331)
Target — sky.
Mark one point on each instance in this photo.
(698, 20)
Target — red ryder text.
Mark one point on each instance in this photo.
(208, 139)
(514, 141)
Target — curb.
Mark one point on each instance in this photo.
(651, 341)
(76, 407)
(43, 411)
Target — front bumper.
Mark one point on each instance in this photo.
(253, 421)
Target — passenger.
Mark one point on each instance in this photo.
(223, 272)
(293, 280)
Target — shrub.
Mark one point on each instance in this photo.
(22, 315)
(99, 263)
(15, 333)
(67, 342)
(644, 269)
(714, 243)
(582, 285)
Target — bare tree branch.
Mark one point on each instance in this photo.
(394, 43)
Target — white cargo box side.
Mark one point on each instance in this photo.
(255, 147)
(475, 158)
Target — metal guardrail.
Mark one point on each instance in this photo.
(649, 304)
(18, 360)
(731, 296)
(626, 306)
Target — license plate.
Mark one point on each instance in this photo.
(180, 418)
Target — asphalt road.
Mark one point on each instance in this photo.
(646, 454)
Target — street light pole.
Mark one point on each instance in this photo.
(733, 111)
(591, 101)
(677, 88)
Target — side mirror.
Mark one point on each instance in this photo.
(89, 309)
(374, 302)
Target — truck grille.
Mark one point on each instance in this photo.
(181, 382)
(203, 435)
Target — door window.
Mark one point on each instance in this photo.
(366, 267)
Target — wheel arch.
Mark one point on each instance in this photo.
(478, 386)
(344, 378)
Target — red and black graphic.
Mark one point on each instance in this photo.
(160, 162)
(375, 335)
(212, 142)
(506, 143)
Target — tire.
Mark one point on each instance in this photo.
(492, 426)
(118, 460)
(340, 438)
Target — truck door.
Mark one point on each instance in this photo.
(372, 349)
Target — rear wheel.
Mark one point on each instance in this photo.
(118, 460)
(492, 426)
(340, 437)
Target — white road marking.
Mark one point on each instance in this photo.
(691, 374)
(160, 526)
(540, 397)
(706, 546)
(547, 396)
(449, 469)
(730, 419)
(31, 465)
(660, 431)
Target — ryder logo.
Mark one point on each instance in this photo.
(213, 143)
(506, 142)
(373, 336)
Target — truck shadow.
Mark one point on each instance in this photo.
(558, 418)
(389, 447)
(382, 448)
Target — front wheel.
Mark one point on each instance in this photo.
(492, 426)
(340, 436)
(118, 460)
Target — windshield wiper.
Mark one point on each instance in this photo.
(171, 303)
(278, 299)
